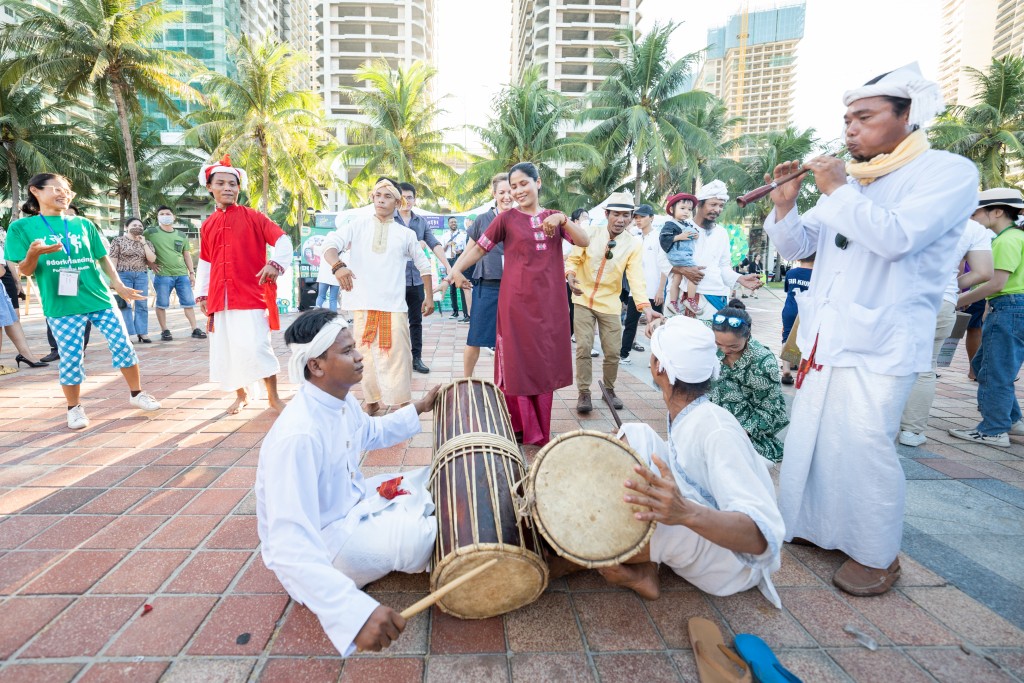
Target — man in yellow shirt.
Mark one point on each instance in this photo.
(594, 274)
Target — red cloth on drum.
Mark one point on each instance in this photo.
(533, 354)
(531, 415)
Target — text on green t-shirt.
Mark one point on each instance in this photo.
(83, 241)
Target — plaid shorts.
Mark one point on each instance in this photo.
(69, 331)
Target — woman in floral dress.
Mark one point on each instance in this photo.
(749, 386)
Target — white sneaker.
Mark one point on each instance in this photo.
(573, 339)
(594, 353)
(912, 439)
(1017, 428)
(144, 402)
(998, 440)
(490, 350)
(625, 360)
(77, 418)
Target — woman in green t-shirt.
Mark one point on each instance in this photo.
(65, 254)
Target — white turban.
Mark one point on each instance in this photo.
(301, 353)
(716, 189)
(222, 166)
(906, 82)
(685, 349)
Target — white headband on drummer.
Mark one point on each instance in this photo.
(301, 353)
(685, 349)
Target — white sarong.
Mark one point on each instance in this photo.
(240, 350)
(387, 375)
(841, 485)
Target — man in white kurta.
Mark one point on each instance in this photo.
(325, 530)
(374, 284)
(713, 252)
(236, 286)
(885, 231)
(719, 526)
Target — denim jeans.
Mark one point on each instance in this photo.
(136, 315)
(328, 293)
(997, 363)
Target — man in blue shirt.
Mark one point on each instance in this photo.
(413, 282)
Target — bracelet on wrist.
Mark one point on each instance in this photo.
(338, 266)
(200, 299)
(277, 266)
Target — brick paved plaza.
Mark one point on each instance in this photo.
(159, 510)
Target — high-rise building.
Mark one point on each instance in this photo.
(751, 66)
(974, 33)
(567, 39)
(1009, 29)
(354, 32)
(296, 23)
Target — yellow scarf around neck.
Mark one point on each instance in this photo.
(867, 172)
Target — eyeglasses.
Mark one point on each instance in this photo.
(608, 254)
(730, 320)
(57, 189)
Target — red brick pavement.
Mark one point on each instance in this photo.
(158, 509)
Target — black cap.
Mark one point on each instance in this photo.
(644, 210)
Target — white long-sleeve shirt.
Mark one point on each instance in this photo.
(713, 251)
(655, 263)
(379, 282)
(874, 304)
(307, 483)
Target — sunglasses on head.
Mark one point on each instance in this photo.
(608, 254)
(730, 320)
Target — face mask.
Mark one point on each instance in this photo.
(135, 230)
(165, 220)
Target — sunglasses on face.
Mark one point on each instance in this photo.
(608, 254)
(731, 321)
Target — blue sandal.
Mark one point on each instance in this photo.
(762, 661)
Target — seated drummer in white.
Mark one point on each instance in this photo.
(327, 531)
(719, 526)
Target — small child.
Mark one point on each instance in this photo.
(798, 279)
(677, 241)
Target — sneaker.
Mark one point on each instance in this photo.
(144, 402)
(624, 360)
(594, 353)
(998, 440)
(673, 307)
(198, 334)
(1017, 428)
(77, 418)
(166, 336)
(573, 339)
(691, 307)
(912, 439)
(490, 349)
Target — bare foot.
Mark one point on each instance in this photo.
(558, 566)
(241, 401)
(640, 578)
(276, 403)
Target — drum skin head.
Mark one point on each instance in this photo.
(577, 485)
(518, 579)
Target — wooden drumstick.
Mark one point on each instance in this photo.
(436, 596)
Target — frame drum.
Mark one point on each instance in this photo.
(576, 489)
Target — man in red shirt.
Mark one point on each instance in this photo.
(236, 286)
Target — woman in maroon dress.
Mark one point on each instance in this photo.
(533, 355)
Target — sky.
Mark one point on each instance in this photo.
(844, 45)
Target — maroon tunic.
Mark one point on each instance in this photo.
(533, 353)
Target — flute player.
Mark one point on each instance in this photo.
(885, 232)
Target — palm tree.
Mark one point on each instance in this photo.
(257, 117)
(641, 109)
(990, 132)
(103, 47)
(400, 138)
(33, 140)
(710, 155)
(158, 167)
(526, 125)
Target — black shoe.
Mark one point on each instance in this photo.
(464, 319)
(637, 347)
(50, 357)
(198, 334)
(145, 340)
(166, 336)
(454, 315)
(418, 366)
(37, 364)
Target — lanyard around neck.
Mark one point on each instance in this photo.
(67, 235)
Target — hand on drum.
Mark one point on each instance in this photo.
(426, 404)
(661, 495)
(380, 630)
